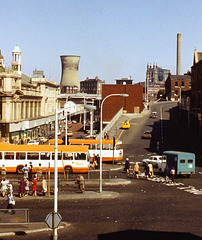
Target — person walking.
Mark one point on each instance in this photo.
(127, 165)
(30, 171)
(22, 187)
(167, 173)
(34, 186)
(43, 186)
(146, 170)
(3, 171)
(10, 202)
(151, 170)
(4, 186)
(172, 173)
(39, 172)
(26, 187)
(25, 170)
(81, 183)
(136, 170)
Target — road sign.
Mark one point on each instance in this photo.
(49, 220)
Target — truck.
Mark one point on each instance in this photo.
(183, 162)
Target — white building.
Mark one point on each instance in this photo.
(27, 105)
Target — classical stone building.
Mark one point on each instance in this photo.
(27, 105)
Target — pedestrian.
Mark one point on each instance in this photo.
(10, 187)
(30, 171)
(146, 170)
(22, 187)
(34, 186)
(172, 173)
(43, 186)
(127, 165)
(39, 172)
(3, 171)
(26, 187)
(4, 186)
(151, 170)
(81, 183)
(10, 202)
(25, 170)
(136, 170)
(167, 173)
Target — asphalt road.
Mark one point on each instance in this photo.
(144, 209)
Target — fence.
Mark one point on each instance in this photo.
(14, 216)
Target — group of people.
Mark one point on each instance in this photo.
(24, 182)
(149, 171)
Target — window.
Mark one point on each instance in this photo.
(190, 161)
(176, 83)
(32, 156)
(182, 161)
(9, 155)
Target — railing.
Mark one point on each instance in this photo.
(14, 216)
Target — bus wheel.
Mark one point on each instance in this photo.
(19, 169)
(68, 169)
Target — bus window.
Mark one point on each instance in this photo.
(20, 155)
(190, 161)
(32, 156)
(0, 155)
(182, 161)
(67, 156)
(45, 156)
(9, 155)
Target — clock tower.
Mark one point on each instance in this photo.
(16, 60)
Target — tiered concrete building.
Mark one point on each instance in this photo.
(27, 105)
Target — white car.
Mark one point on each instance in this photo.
(154, 160)
(33, 142)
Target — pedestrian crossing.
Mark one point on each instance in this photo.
(180, 186)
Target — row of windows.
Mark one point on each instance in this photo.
(41, 156)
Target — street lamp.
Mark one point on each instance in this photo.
(110, 95)
(91, 108)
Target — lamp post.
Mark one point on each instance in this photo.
(55, 235)
(91, 108)
(110, 95)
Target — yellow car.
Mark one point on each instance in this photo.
(126, 125)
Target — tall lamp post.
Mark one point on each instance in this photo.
(110, 95)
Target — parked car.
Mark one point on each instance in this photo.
(147, 134)
(33, 142)
(154, 160)
(153, 115)
(43, 139)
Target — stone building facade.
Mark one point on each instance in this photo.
(27, 105)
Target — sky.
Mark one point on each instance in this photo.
(115, 38)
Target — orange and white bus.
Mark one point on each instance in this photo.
(108, 153)
(71, 158)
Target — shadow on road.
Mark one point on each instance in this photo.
(141, 234)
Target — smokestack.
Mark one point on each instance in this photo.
(178, 69)
(70, 67)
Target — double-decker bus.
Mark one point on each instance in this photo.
(71, 158)
(111, 150)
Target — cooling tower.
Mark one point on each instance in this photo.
(178, 69)
(70, 67)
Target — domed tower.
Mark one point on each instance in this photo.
(70, 76)
(16, 60)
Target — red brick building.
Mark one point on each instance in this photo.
(132, 104)
(176, 84)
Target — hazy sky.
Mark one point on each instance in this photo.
(115, 38)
